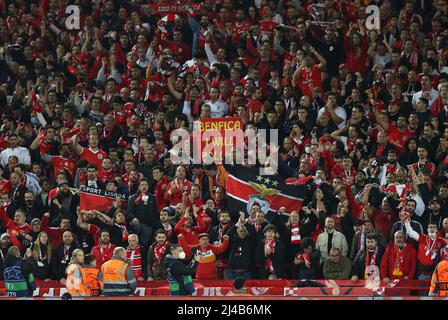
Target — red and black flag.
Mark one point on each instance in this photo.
(98, 199)
(245, 186)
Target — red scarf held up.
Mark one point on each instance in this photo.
(159, 251)
(136, 262)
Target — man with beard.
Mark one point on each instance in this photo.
(5, 244)
(166, 224)
(428, 247)
(399, 260)
(360, 182)
(359, 240)
(64, 160)
(409, 209)
(142, 212)
(391, 166)
(18, 189)
(148, 165)
(132, 185)
(434, 213)
(104, 250)
(398, 134)
(92, 177)
(423, 161)
(55, 233)
(217, 234)
(369, 256)
(157, 252)
(64, 204)
(61, 258)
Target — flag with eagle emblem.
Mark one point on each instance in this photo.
(245, 186)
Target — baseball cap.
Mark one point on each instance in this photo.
(62, 183)
(203, 235)
(35, 220)
(4, 235)
(342, 66)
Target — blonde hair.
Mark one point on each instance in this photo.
(37, 246)
(75, 253)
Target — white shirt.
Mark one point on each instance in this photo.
(340, 112)
(218, 109)
(433, 95)
(20, 152)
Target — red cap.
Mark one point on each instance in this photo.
(342, 66)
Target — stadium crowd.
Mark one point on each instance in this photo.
(362, 112)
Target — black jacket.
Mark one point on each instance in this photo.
(59, 262)
(177, 269)
(291, 250)
(276, 259)
(147, 214)
(29, 266)
(359, 265)
(240, 251)
(313, 272)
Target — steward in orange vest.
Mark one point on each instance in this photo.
(89, 274)
(439, 281)
(116, 275)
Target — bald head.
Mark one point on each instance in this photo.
(120, 251)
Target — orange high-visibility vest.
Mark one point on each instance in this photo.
(74, 284)
(439, 280)
(114, 277)
(90, 280)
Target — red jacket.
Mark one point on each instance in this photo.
(102, 256)
(207, 264)
(190, 236)
(408, 264)
(11, 226)
(55, 234)
(176, 197)
(159, 192)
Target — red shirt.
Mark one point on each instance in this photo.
(398, 138)
(267, 27)
(159, 193)
(95, 157)
(428, 248)
(191, 237)
(176, 197)
(60, 162)
(106, 175)
(255, 105)
(102, 254)
(308, 79)
(397, 264)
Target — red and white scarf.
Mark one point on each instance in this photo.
(295, 234)
(270, 245)
(159, 251)
(135, 260)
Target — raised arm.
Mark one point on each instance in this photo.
(411, 232)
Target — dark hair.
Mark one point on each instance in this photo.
(238, 283)
(92, 166)
(371, 237)
(270, 227)
(306, 242)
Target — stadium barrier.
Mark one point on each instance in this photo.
(281, 288)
